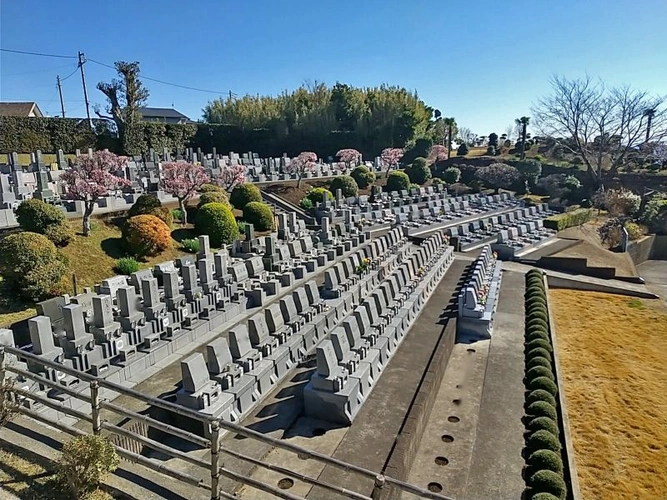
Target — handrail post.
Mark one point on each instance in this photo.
(215, 460)
(2, 376)
(95, 406)
(378, 488)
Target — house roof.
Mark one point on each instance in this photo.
(162, 113)
(18, 108)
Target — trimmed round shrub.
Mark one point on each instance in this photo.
(164, 214)
(538, 362)
(544, 424)
(539, 371)
(436, 181)
(542, 440)
(397, 181)
(145, 204)
(541, 409)
(538, 312)
(535, 283)
(418, 172)
(37, 216)
(536, 301)
(452, 175)
(535, 291)
(243, 194)
(534, 272)
(547, 481)
(363, 176)
(543, 383)
(545, 460)
(59, 234)
(210, 188)
(190, 245)
(537, 323)
(126, 266)
(30, 265)
(537, 332)
(316, 195)
(213, 197)
(539, 343)
(259, 215)
(217, 220)
(543, 496)
(538, 353)
(540, 395)
(346, 184)
(146, 235)
(306, 203)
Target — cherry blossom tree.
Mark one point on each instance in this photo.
(303, 163)
(349, 156)
(183, 180)
(231, 176)
(390, 157)
(92, 177)
(437, 153)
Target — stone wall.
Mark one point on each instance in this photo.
(653, 247)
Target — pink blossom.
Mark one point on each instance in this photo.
(183, 179)
(303, 163)
(348, 156)
(438, 152)
(231, 176)
(391, 156)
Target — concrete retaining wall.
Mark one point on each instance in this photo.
(576, 265)
(650, 247)
(409, 437)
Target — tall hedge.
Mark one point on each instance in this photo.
(568, 219)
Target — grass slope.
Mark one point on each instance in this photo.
(613, 353)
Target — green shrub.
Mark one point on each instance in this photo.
(545, 460)
(306, 203)
(534, 272)
(535, 290)
(540, 395)
(436, 181)
(635, 231)
(146, 235)
(535, 281)
(543, 383)
(177, 214)
(536, 300)
(541, 409)
(59, 234)
(540, 371)
(190, 245)
(84, 462)
(243, 194)
(259, 215)
(537, 325)
(568, 219)
(398, 181)
(37, 216)
(538, 362)
(544, 423)
(537, 334)
(164, 214)
(30, 265)
(213, 197)
(419, 172)
(363, 176)
(542, 440)
(346, 184)
(217, 220)
(211, 188)
(539, 343)
(538, 313)
(451, 175)
(539, 352)
(543, 496)
(126, 266)
(241, 225)
(316, 195)
(145, 204)
(463, 150)
(547, 481)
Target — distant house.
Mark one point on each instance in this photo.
(164, 115)
(24, 109)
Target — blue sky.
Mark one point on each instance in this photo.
(482, 62)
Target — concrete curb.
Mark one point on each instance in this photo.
(570, 465)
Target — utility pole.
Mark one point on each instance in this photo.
(60, 91)
(82, 60)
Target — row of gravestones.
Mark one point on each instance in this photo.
(241, 367)
(478, 299)
(351, 360)
(127, 325)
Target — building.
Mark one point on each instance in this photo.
(24, 109)
(164, 115)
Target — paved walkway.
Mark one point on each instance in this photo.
(473, 440)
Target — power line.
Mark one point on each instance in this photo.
(72, 73)
(162, 81)
(5, 75)
(36, 54)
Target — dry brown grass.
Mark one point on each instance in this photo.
(613, 353)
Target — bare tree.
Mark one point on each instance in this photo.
(599, 123)
(467, 136)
